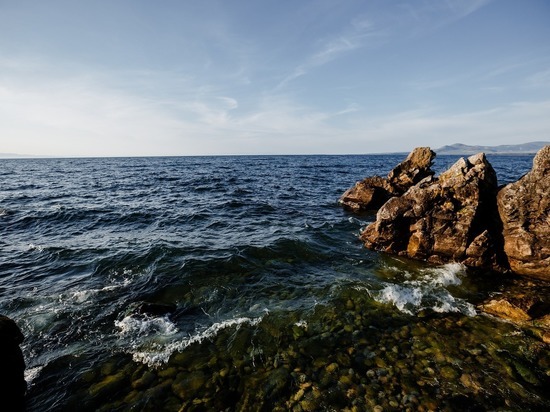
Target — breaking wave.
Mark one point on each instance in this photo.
(427, 291)
(153, 340)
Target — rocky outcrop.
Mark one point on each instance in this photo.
(524, 208)
(373, 192)
(524, 302)
(450, 218)
(12, 380)
(460, 216)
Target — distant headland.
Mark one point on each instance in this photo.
(530, 148)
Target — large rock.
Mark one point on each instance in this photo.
(12, 380)
(524, 208)
(373, 192)
(450, 218)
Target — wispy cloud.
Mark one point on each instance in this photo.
(83, 115)
(540, 79)
(358, 33)
(508, 123)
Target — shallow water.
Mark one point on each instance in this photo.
(271, 300)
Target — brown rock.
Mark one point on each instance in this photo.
(524, 208)
(412, 170)
(373, 192)
(505, 310)
(369, 194)
(451, 218)
(525, 302)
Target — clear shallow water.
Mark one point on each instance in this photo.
(273, 301)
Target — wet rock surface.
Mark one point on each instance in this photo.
(373, 192)
(523, 302)
(460, 216)
(452, 218)
(524, 208)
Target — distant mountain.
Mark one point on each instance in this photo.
(515, 149)
(20, 156)
(12, 156)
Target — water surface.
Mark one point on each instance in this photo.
(267, 299)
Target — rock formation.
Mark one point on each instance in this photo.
(462, 216)
(455, 217)
(524, 208)
(12, 380)
(373, 192)
(450, 218)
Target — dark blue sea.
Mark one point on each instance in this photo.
(239, 283)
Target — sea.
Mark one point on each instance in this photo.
(239, 283)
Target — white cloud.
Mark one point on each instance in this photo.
(539, 79)
(229, 102)
(359, 32)
(507, 124)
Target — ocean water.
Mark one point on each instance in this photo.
(261, 296)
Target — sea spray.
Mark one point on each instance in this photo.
(427, 290)
(153, 340)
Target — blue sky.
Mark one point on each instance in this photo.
(137, 77)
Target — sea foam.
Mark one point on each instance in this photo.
(427, 291)
(153, 340)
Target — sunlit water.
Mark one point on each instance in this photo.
(272, 302)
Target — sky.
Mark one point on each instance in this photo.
(213, 77)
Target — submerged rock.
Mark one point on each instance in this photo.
(373, 192)
(12, 380)
(504, 309)
(447, 219)
(524, 208)
(524, 302)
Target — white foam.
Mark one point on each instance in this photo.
(404, 298)
(32, 246)
(135, 326)
(158, 351)
(301, 324)
(445, 275)
(82, 296)
(427, 291)
(32, 373)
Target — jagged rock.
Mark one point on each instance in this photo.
(368, 194)
(524, 208)
(412, 170)
(450, 218)
(12, 380)
(373, 192)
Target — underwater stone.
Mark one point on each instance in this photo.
(448, 373)
(144, 381)
(109, 385)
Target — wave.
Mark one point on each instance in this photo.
(152, 341)
(427, 291)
